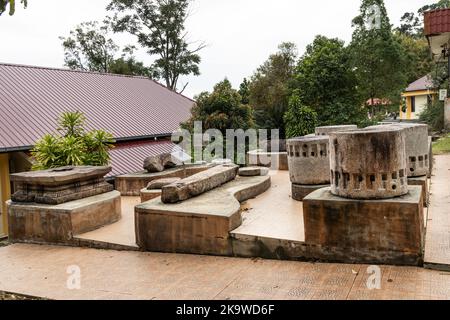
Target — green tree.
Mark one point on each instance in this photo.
(300, 120)
(222, 109)
(74, 146)
(326, 83)
(12, 6)
(244, 91)
(90, 48)
(159, 26)
(379, 60)
(270, 88)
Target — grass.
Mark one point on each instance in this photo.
(442, 146)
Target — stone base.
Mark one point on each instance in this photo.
(53, 224)
(272, 160)
(147, 195)
(132, 184)
(423, 183)
(199, 225)
(389, 231)
(299, 192)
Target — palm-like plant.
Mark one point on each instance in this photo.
(72, 124)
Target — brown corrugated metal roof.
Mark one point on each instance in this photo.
(32, 98)
(437, 22)
(424, 83)
(129, 157)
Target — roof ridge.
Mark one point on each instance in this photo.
(94, 73)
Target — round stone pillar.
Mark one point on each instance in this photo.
(325, 131)
(417, 148)
(308, 159)
(369, 163)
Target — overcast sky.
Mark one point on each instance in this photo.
(240, 34)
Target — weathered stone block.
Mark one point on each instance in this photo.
(199, 183)
(272, 160)
(199, 225)
(309, 161)
(158, 184)
(423, 183)
(147, 195)
(132, 184)
(159, 163)
(387, 231)
(253, 171)
(60, 185)
(299, 192)
(42, 223)
(368, 163)
(325, 131)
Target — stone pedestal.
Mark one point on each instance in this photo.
(423, 183)
(325, 131)
(299, 192)
(43, 223)
(389, 231)
(147, 195)
(272, 160)
(447, 114)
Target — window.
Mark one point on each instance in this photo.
(413, 104)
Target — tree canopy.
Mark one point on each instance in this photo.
(270, 88)
(159, 27)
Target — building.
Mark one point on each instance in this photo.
(416, 97)
(139, 112)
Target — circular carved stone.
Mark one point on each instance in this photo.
(368, 163)
(325, 131)
(417, 148)
(309, 162)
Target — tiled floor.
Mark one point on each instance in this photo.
(437, 246)
(42, 271)
(274, 214)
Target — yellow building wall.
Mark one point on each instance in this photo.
(421, 103)
(5, 192)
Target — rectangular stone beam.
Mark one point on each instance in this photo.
(199, 183)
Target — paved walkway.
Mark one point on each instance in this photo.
(437, 246)
(42, 271)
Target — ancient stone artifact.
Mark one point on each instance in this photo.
(253, 171)
(60, 185)
(159, 163)
(159, 183)
(198, 183)
(417, 148)
(369, 163)
(325, 131)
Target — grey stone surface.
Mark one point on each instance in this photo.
(43, 223)
(159, 183)
(325, 131)
(198, 183)
(60, 185)
(309, 162)
(417, 148)
(221, 161)
(272, 160)
(199, 225)
(299, 192)
(159, 163)
(369, 163)
(253, 171)
(385, 231)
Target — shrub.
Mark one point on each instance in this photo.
(74, 147)
(433, 115)
(299, 120)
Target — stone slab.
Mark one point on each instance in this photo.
(423, 183)
(147, 195)
(199, 225)
(253, 171)
(272, 160)
(389, 231)
(132, 184)
(41, 223)
(158, 184)
(299, 192)
(198, 183)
